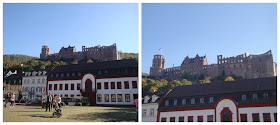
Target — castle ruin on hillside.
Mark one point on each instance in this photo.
(246, 65)
(100, 53)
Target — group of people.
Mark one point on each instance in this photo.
(10, 97)
(52, 102)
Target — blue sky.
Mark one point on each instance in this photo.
(27, 27)
(206, 29)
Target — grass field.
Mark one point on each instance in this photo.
(69, 114)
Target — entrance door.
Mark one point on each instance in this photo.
(88, 85)
(226, 115)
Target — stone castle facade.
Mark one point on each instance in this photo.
(100, 53)
(246, 65)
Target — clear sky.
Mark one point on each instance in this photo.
(27, 27)
(206, 29)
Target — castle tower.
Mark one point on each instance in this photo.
(158, 65)
(44, 52)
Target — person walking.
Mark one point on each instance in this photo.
(48, 101)
(12, 99)
(52, 102)
(7, 98)
(136, 103)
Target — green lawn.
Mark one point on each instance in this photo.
(69, 114)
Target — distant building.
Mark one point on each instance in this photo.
(34, 84)
(249, 100)
(100, 53)
(100, 83)
(246, 65)
(14, 83)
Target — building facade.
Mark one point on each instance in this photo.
(100, 53)
(249, 100)
(34, 85)
(14, 83)
(100, 83)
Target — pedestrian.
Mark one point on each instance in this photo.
(52, 102)
(136, 103)
(48, 101)
(58, 100)
(12, 99)
(7, 98)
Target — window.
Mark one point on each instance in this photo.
(144, 112)
(275, 117)
(50, 86)
(66, 86)
(184, 102)
(175, 102)
(106, 97)
(55, 87)
(127, 97)
(181, 119)
(51, 75)
(72, 95)
(243, 117)
(72, 86)
(66, 95)
(119, 85)
(106, 86)
(73, 74)
(172, 119)
(243, 97)
(255, 96)
(38, 80)
(62, 74)
(67, 74)
(78, 86)
(43, 80)
(166, 102)
(201, 100)
(256, 117)
(190, 118)
(210, 118)
(152, 112)
(98, 85)
(199, 118)
(266, 117)
(126, 85)
(163, 119)
(211, 100)
(99, 98)
(33, 80)
(134, 84)
(119, 97)
(112, 85)
(79, 73)
(60, 86)
(56, 75)
(192, 101)
(265, 95)
(113, 98)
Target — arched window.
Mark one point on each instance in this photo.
(88, 85)
(226, 115)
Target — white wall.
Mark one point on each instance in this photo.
(35, 84)
(193, 113)
(260, 110)
(62, 92)
(148, 107)
(116, 91)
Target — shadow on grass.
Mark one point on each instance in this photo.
(40, 116)
(109, 115)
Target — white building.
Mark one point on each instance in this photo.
(250, 100)
(99, 83)
(150, 106)
(34, 84)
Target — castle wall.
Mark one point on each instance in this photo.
(232, 65)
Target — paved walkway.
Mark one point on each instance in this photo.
(69, 114)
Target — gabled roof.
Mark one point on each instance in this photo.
(246, 85)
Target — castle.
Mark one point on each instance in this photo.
(100, 53)
(246, 65)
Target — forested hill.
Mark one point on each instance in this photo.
(17, 58)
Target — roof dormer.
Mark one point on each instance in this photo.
(146, 98)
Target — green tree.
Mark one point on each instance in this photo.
(186, 75)
(206, 80)
(186, 82)
(89, 61)
(74, 62)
